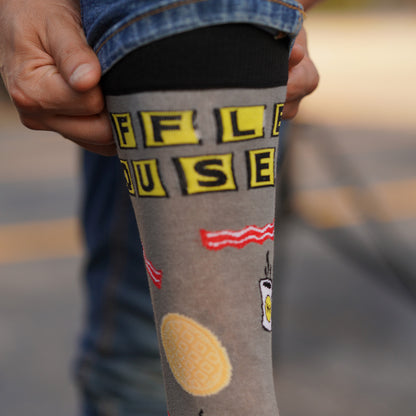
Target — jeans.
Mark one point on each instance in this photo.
(115, 28)
(118, 369)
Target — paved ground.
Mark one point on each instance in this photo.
(40, 295)
(345, 329)
(347, 335)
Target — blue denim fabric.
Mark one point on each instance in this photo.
(115, 28)
(118, 369)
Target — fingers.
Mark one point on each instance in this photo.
(44, 90)
(74, 59)
(303, 76)
(46, 102)
(51, 73)
(103, 150)
(95, 129)
(303, 80)
(92, 132)
(297, 54)
(299, 50)
(92, 129)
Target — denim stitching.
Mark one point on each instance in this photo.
(173, 6)
(148, 14)
(289, 6)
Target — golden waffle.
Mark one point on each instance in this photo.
(198, 361)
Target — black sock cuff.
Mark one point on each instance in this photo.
(226, 56)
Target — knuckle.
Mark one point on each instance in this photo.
(313, 79)
(92, 130)
(51, 103)
(295, 93)
(101, 137)
(94, 104)
(316, 80)
(22, 100)
(67, 53)
(291, 111)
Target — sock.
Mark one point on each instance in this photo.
(200, 166)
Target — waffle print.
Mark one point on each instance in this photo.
(198, 361)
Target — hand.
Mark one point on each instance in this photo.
(303, 76)
(51, 73)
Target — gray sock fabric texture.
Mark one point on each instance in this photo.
(200, 167)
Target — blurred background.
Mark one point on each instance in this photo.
(345, 302)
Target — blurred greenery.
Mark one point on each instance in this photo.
(366, 4)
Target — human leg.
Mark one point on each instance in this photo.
(118, 370)
(204, 200)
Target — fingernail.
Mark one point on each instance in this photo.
(79, 73)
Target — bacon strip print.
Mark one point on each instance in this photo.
(217, 240)
(154, 274)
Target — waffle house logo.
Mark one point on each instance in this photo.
(205, 172)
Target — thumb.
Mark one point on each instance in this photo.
(74, 59)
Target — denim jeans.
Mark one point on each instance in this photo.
(118, 370)
(115, 28)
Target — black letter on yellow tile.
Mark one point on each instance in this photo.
(127, 176)
(261, 167)
(149, 183)
(211, 173)
(240, 123)
(124, 130)
(206, 168)
(168, 128)
(277, 119)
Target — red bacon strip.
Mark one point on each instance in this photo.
(217, 240)
(154, 274)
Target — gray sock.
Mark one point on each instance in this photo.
(200, 168)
